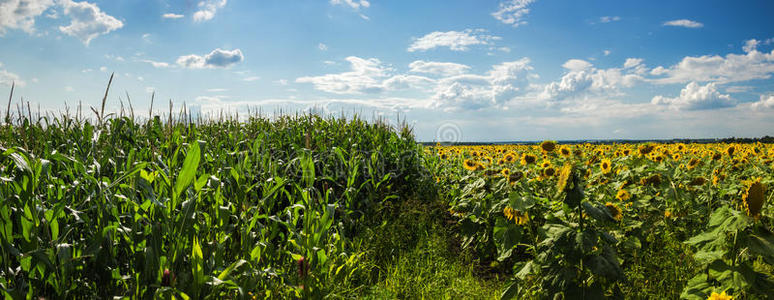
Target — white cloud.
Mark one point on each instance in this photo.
(8, 78)
(87, 21)
(172, 16)
(512, 12)
(501, 84)
(207, 10)
(750, 45)
(684, 23)
(366, 76)
(455, 40)
(583, 79)
(217, 90)
(766, 102)
(322, 47)
(150, 89)
(731, 68)
(576, 65)
(696, 97)
(403, 82)
(251, 78)
(103, 69)
(438, 68)
(156, 64)
(21, 14)
(281, 82)
(608, 19)
(606, 52)
(355, 4)
(218, 58)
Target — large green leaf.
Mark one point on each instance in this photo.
(188, 172)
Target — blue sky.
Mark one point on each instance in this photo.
(456, 70)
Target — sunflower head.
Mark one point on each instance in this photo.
(717, 156)
(548, 146)
(721, 296)
(565, 151)
(515, 176)
(606, 166)
(548, 172)
(528, 159)
(645, 149)
(693, 163)
(565, 178)
(698, 181)
(623, 195)
(510, 157)
(614, 210)
(730, 150)
(753, 197)
(470, 165)
(505, 172)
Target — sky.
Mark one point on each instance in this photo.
(473, 70)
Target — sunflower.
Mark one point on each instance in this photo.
(491, 172)
(721, 296)
(510, 157)
(505, 172)
(645, 149)
(698, 181)
(667, 214)
(444, 156)
(615, 211)
(528, 159)
(693, 163)
(548, 146)
(515, 215)
(470, 165)
(548, 172)
(717, 156)
(565, 151)
(730, 150)
(753, 197)
(564, 178)
(515, 176)
(654, 179)
(606, 166)
(623, 195)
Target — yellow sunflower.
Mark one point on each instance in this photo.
(505, 172)
(615, 211)
(528, 159)
(548, 146)
(548, 172)
(470, 165)
(565, 151)
(606, 166)
(721, 296)
(565, 175)
(730, 150)
(515, 215)
(623, 195)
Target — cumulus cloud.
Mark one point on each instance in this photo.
(87, 21)
(500, 85)
(512, 12)
(438, 68)
(715, 68)
(7, 78)
(365, 76)
(750, 45)
(207, 10)
(172, 16)
(218, 58)
(21, 14)
(576, 65)
(684, 23)
(583, 79)
(766, 102)
(322, 47)
(696, 97)
(455, 40)
(352, 3)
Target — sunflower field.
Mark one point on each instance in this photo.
(651, 220)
